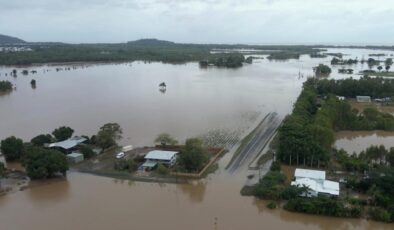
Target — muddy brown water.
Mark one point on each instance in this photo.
(196, 101)
(357, 141)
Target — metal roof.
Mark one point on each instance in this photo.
(74, 155)
(326, 186)
(69, 143)
(149, 164)
(313, 174)
(160, 155)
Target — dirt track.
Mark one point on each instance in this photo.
(261, 136)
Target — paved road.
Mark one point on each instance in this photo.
(262, 135)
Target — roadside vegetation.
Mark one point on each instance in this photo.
(306, 137)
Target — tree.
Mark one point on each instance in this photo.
(41, 139)
(387, 68)
(165, 139)
(2, 170)
(12, 148)
(380, 68)
(389, 61)
(108, 135)
(43, 163)
(192, 157)
(14, 72)
(33, 83)
(5, 86)
(322, 69)
(63, 133)
(87, 151)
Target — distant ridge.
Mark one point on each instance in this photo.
(4, 39)
(150, 42)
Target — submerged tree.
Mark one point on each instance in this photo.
(12, 148)
(165, 139)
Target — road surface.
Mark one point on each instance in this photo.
(261, 136)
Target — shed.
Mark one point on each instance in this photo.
(69, 143)
(75, 157)
(363, 99)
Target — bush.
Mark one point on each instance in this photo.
(125, 165)
(192, 157)
(87, 151)
(380, 214)
(275, 166)
(271, 186)
(12, 148)
(162, 170)
(5, 86)
(271, 205)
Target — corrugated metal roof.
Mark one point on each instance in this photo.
(313, 174)
(149, 164)
(160, 155)
(69, 143)
(326, 186)
(74, 155)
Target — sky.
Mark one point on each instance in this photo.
(359, 22)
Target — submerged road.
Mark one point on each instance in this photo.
(261, 136)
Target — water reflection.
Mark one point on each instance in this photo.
(41, 192)
(194, 190)
(357, 141)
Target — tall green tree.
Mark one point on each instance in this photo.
(12, 148)
(41, 163)
(108, 135)
(62, 133)
(192, 157)
(41, 139)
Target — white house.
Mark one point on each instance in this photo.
(159, 156)
(316, 181)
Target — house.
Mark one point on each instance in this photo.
(363, 99)
(75, 157)
(159, 156)
(68, 145)
(316, 181)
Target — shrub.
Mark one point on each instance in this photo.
(162, 170)
(271, 205)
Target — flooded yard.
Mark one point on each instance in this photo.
(357, 141)
(197, 102)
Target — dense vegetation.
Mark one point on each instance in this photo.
(41, 163)
(349, 87)
(192, 157)
(144, 50)
(233, 60)
(307, 134)
(283, 56)
(5, 86)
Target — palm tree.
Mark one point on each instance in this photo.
(163, 85)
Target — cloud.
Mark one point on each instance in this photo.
(203, 21)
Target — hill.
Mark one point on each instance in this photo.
(4, 39)
(151, 42)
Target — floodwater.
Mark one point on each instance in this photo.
(357, 141)
(196, 102)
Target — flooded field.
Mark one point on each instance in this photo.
(357, 141)
(197, 102)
